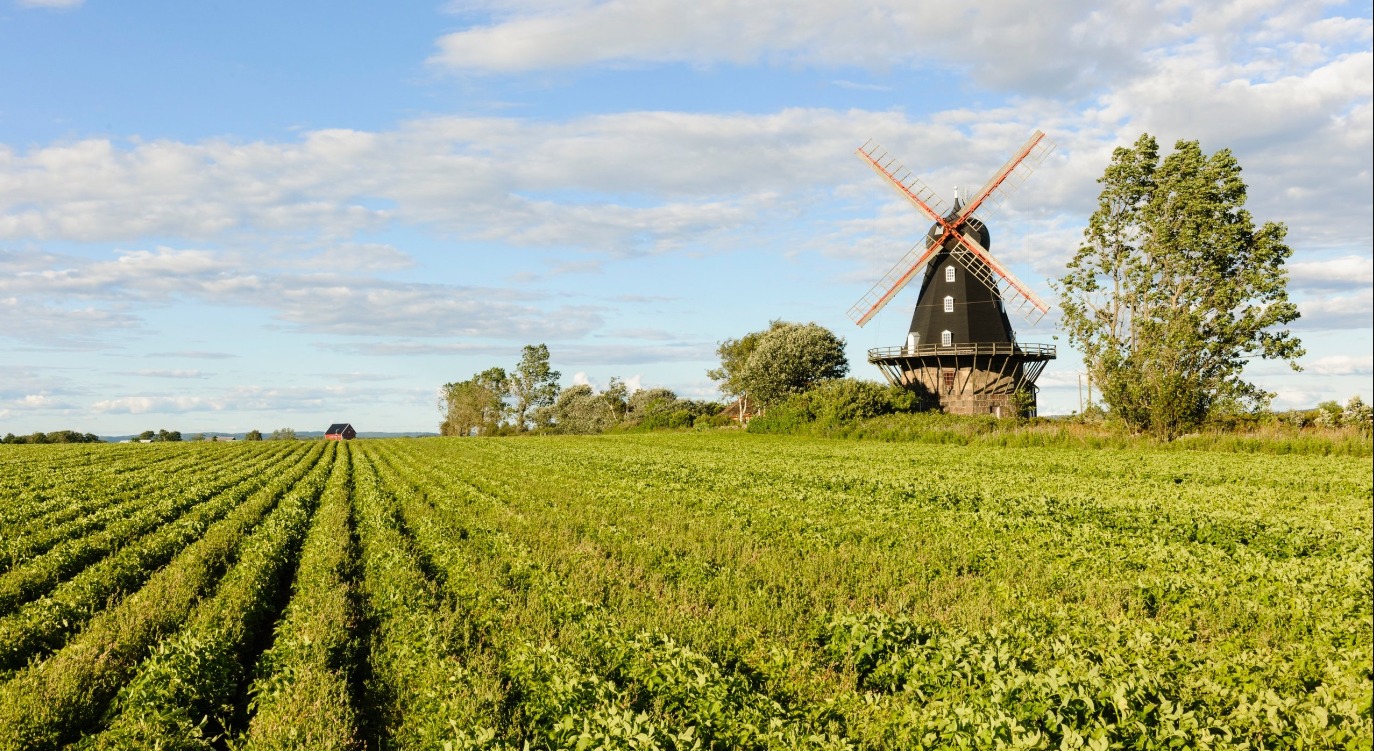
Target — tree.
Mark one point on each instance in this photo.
(533, 385)
(283, 434)
(476, 405)
(734, 356)
(616, 397)
(787, 358)
(1173, 289)
(579, 409)
(253, 435)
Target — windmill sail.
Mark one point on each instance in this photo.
(988, 199)
(893, 281)
(1016, 297)
(906, 183)
(965, 249)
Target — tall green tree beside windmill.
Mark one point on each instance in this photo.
(1174, 290)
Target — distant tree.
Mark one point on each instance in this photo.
(765, 367)
(790, 358)
(616, 398)
(734, 356)
(476, 405)
(253, 435)
(10, 438)
(1358, 414)
(533, 385)
(580, 410)
(645, 402)
(283, 434)
(147, 435)
(1173, 289)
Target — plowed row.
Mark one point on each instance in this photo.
(718, 591)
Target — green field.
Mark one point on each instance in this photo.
(679, 591)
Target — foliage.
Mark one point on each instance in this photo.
(533, 385)
(1173, 289)
(579, 409)
(1355, 414)
(57, 436)
(475, 406)
(253, 435)
(834, 403)
(766, 367)
(283, 434)
(734, 358)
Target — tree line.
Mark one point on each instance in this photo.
(527, 399)
(759, 369)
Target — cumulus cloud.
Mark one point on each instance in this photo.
(1000, 43)
(1350, 311)
(310, 302)
(194, 354)
(1345, 272)
(1342, 365)
(253, 398)
(171, 373)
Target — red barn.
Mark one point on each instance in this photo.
(340, 431)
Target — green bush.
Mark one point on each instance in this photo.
(834, 404)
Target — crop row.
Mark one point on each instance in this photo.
(63, 696)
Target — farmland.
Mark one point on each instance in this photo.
(682, 591)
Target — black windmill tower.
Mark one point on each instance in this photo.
(961, 349)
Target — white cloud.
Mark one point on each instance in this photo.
(1002, 43)
(194, 354)
(355, 257)
(1342, 365)
(237, 400)
(1335, 273)
(324, 303)
(1354, 311)
(172, 374)
(56, 4)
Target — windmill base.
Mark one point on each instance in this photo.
(969, 379)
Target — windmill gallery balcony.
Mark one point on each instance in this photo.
(971, 379)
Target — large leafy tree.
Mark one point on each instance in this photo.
(734, 356)
(765, 367)
(533, 385)
(579, 409)
(1173, 289)
(476, 405)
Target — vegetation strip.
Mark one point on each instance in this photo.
(57, 699)
(184, 694)
(301, 696)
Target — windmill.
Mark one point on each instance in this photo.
(960, 348)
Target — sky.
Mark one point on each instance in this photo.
(226, 216)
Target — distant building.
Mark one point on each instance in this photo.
(340, 431)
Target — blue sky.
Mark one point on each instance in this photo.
(259, 215)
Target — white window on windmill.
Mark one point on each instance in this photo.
(913, 340)
(946, 338)
(949, 303)
(949, 273)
